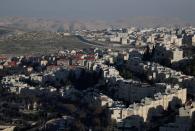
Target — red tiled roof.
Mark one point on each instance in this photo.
(3, 58)
(12, 63)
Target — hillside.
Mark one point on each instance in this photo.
(41, 24)
(38, 42)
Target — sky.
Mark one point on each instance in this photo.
(98, 9)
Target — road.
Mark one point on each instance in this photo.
(100, 45)
(84, 41)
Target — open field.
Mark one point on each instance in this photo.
(38, 43)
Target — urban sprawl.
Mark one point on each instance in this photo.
(132, 79)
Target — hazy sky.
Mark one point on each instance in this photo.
(98, 9)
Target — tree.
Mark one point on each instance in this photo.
(146, 55)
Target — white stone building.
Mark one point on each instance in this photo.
(166, 52)
(150, 107)
(183, 120)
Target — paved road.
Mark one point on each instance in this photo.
(100, 45)
(83, 40)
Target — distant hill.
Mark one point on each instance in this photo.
(149, 21)
(30, 23)
(39, 24)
